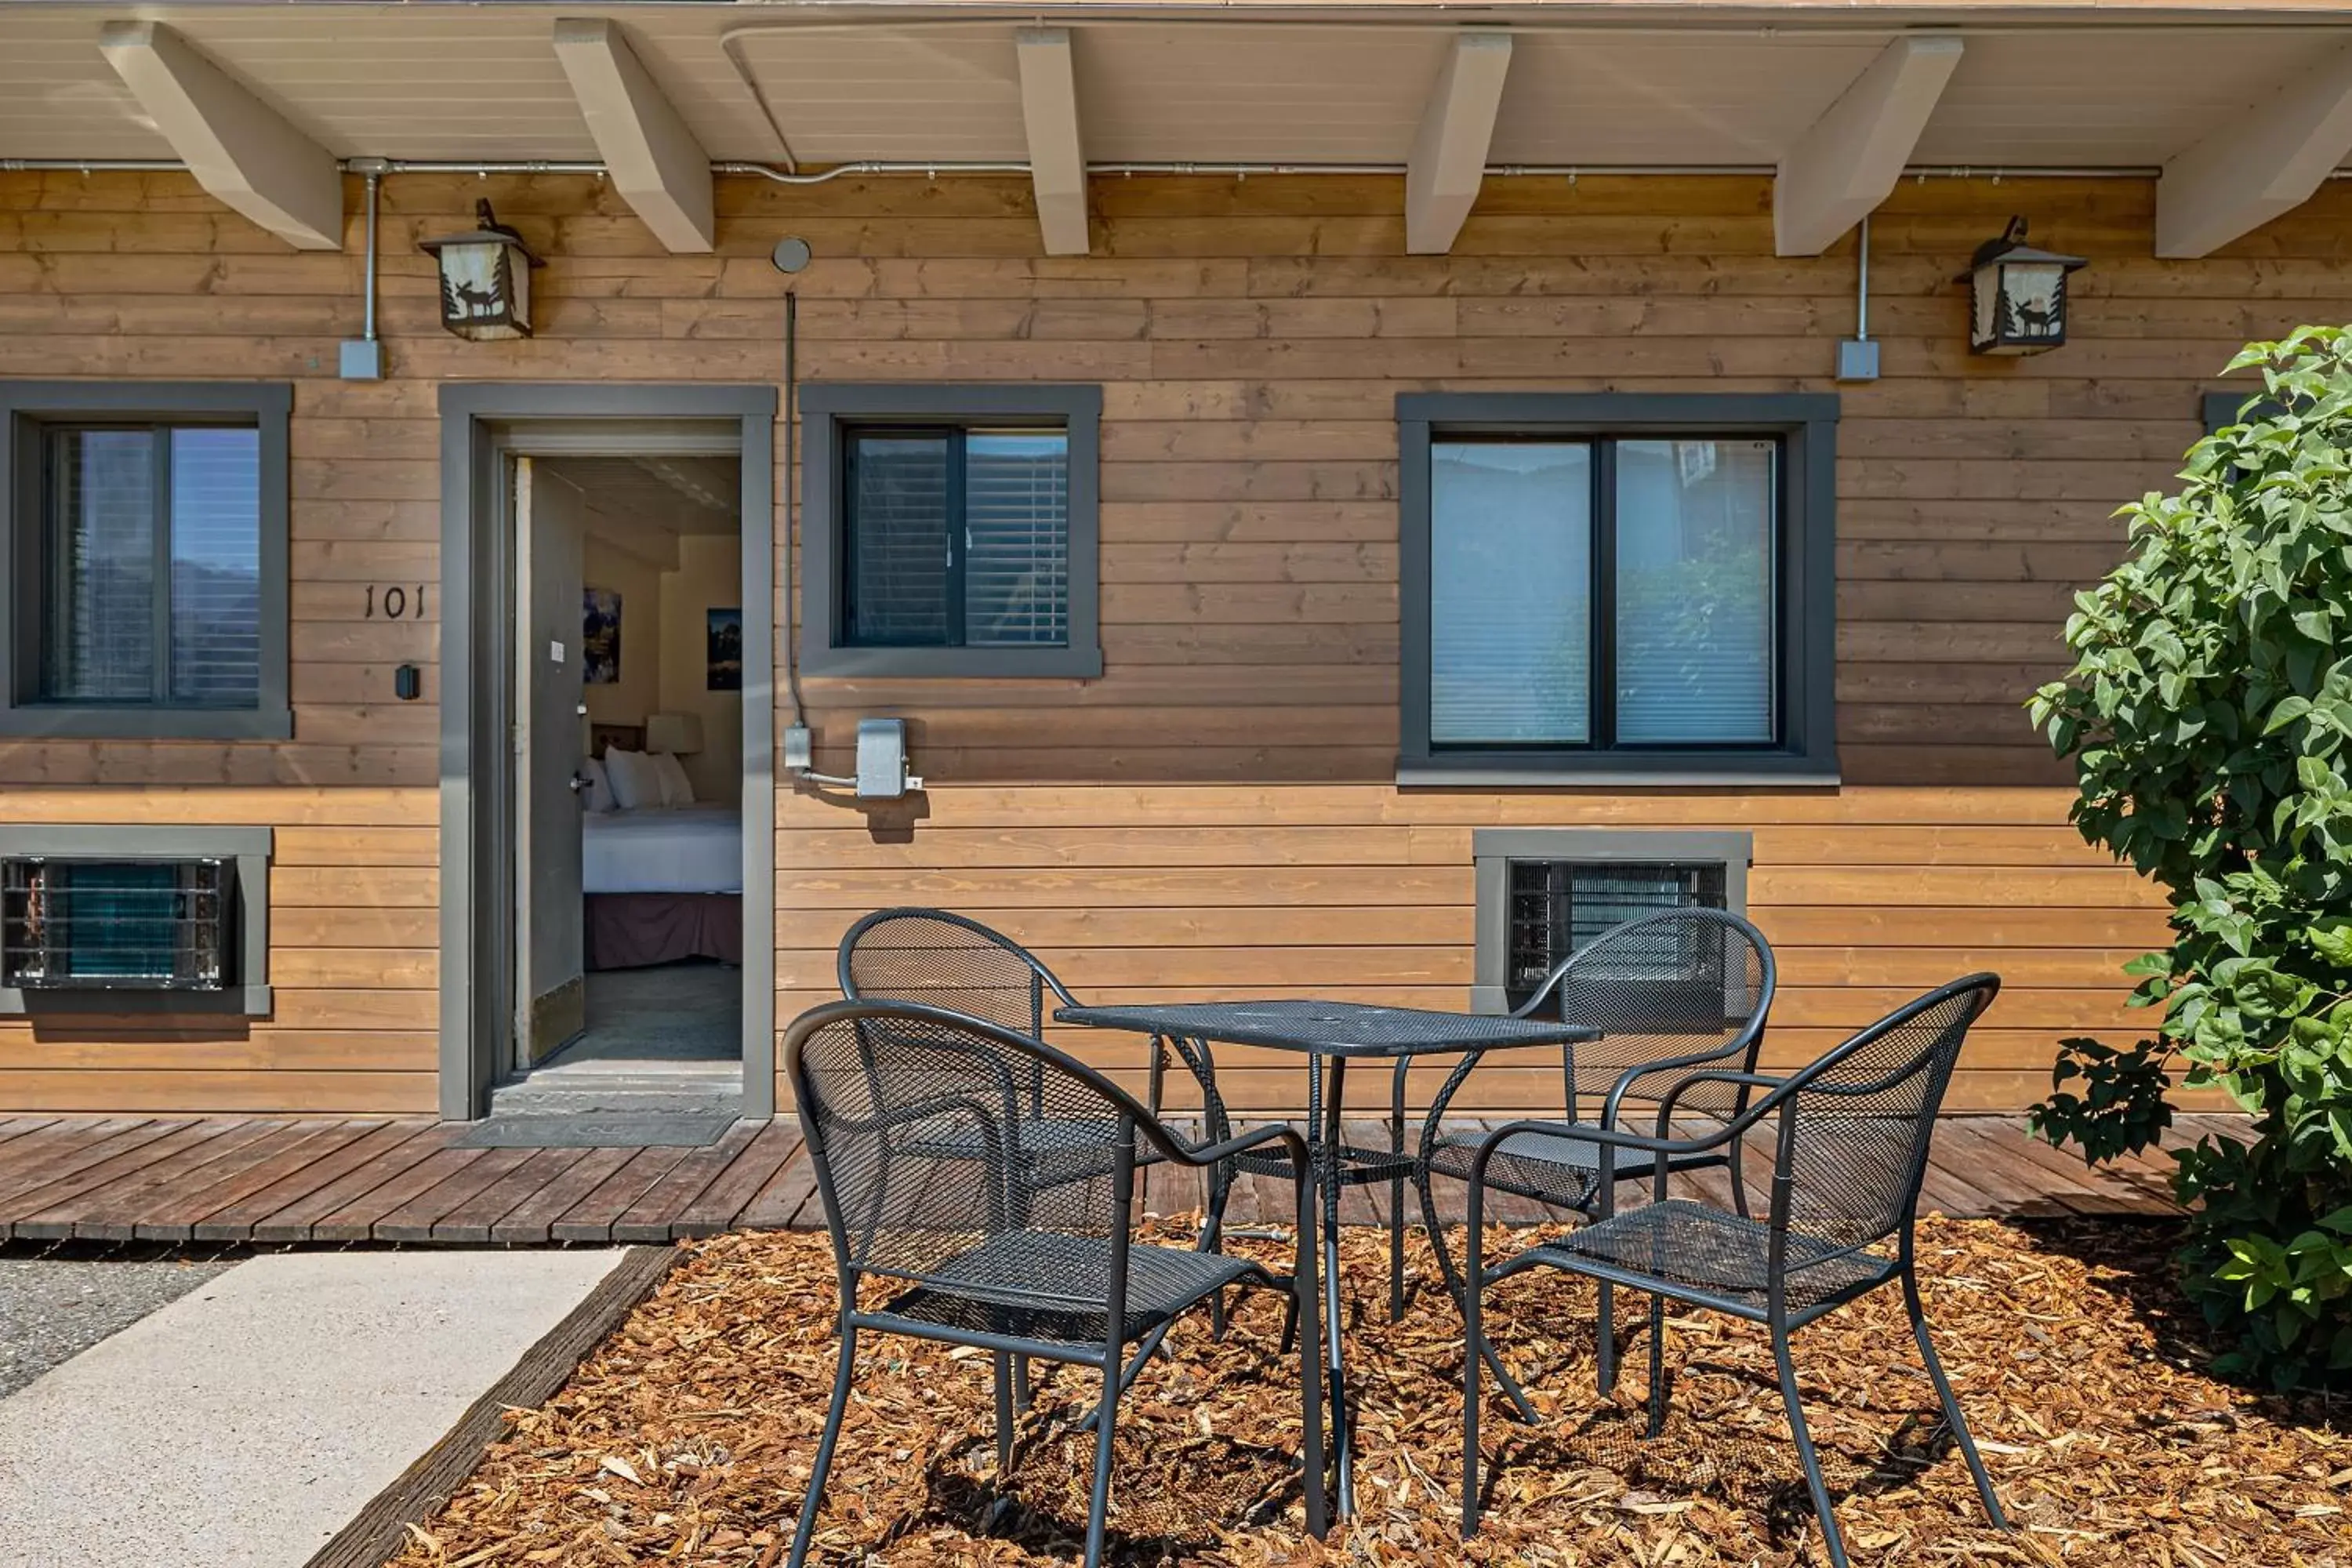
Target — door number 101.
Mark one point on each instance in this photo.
(395, 602)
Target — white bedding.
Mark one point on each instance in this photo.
(679, 849)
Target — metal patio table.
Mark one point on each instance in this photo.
(1330, 1034)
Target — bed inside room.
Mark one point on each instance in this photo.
(661, 824)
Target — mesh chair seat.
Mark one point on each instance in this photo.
(1556, 1168)
(1034, 1284)
(1717, 1253)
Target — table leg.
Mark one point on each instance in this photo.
(1328, 1166)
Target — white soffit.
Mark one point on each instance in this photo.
(1704, 99)
(1266, 94)
(2118, 97)
(950, 92)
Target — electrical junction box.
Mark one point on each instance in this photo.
(1858, 360)
(882, 760)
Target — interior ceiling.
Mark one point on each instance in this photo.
(482, 82)
(666, 495)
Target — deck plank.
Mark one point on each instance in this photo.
(297, 1219)
(35, 1213)
(328, 1179)
(176, 1219)
(591, 1219)
(415, 1219)
(50, 1160)
(650, 1217)
(716, 1207)
(532, 1221)
(111, 1213)
(299, 1174)
(779, 1201)
(471, 1222)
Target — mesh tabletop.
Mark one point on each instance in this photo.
(1330, 1029)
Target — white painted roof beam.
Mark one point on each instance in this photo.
(2251, 170)
(1449, 153)
(1849, 161)
(1057, 163)
(653, 160)
(238, 148)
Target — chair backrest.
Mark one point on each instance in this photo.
(925, 1154)
(949, 961)
(1681, 983)
(1856, 1125)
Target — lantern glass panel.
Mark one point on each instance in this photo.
(2036, 296)
(484, 289)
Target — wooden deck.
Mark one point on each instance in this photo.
(275, 1180)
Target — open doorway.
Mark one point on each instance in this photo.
(627, 692)
(517, 734)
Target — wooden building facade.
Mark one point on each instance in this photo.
(1219, 813)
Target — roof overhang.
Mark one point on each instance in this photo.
(2245, 108)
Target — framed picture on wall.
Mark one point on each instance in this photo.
(724, 669)
(600, 636)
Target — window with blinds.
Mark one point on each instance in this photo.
(151, 566)
(955, 537)
(1555, 907)
(1604, 593)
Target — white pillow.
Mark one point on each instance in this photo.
(676, 789)
(600, 788)
(635, 784)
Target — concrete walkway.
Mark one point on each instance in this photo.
(244, 1424)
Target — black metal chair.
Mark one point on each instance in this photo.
(1670, 992)
(947, 959)
(1852, 1133)
(928, 1144)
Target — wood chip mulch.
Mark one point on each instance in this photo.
(686, 1438)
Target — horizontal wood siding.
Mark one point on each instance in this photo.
(1216, 814)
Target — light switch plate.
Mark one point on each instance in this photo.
(555, 653)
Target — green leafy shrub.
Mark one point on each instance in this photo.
(2208, 717)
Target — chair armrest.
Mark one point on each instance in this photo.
(1745, 1120)
(1640, 1070)
(1211, 1155)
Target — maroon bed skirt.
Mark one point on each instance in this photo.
(628, 931)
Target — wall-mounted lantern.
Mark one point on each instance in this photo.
(484, 279)
(2019, 295)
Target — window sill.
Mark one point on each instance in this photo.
(231, 1002)
(957, 663)
(40, 721)
(1548, 773)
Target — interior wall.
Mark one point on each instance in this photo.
(639, 584)
(710, 576)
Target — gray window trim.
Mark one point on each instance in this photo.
(826, 406)
(251, 846)
(1806, 421)
(2219, 409)
(1494, 849)
(25, 407)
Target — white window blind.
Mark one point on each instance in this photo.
(1510, 581)
(1017, 539)
(215, 643)
(1694, 592)
(154, 566)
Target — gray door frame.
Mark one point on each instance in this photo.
(483, 424)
